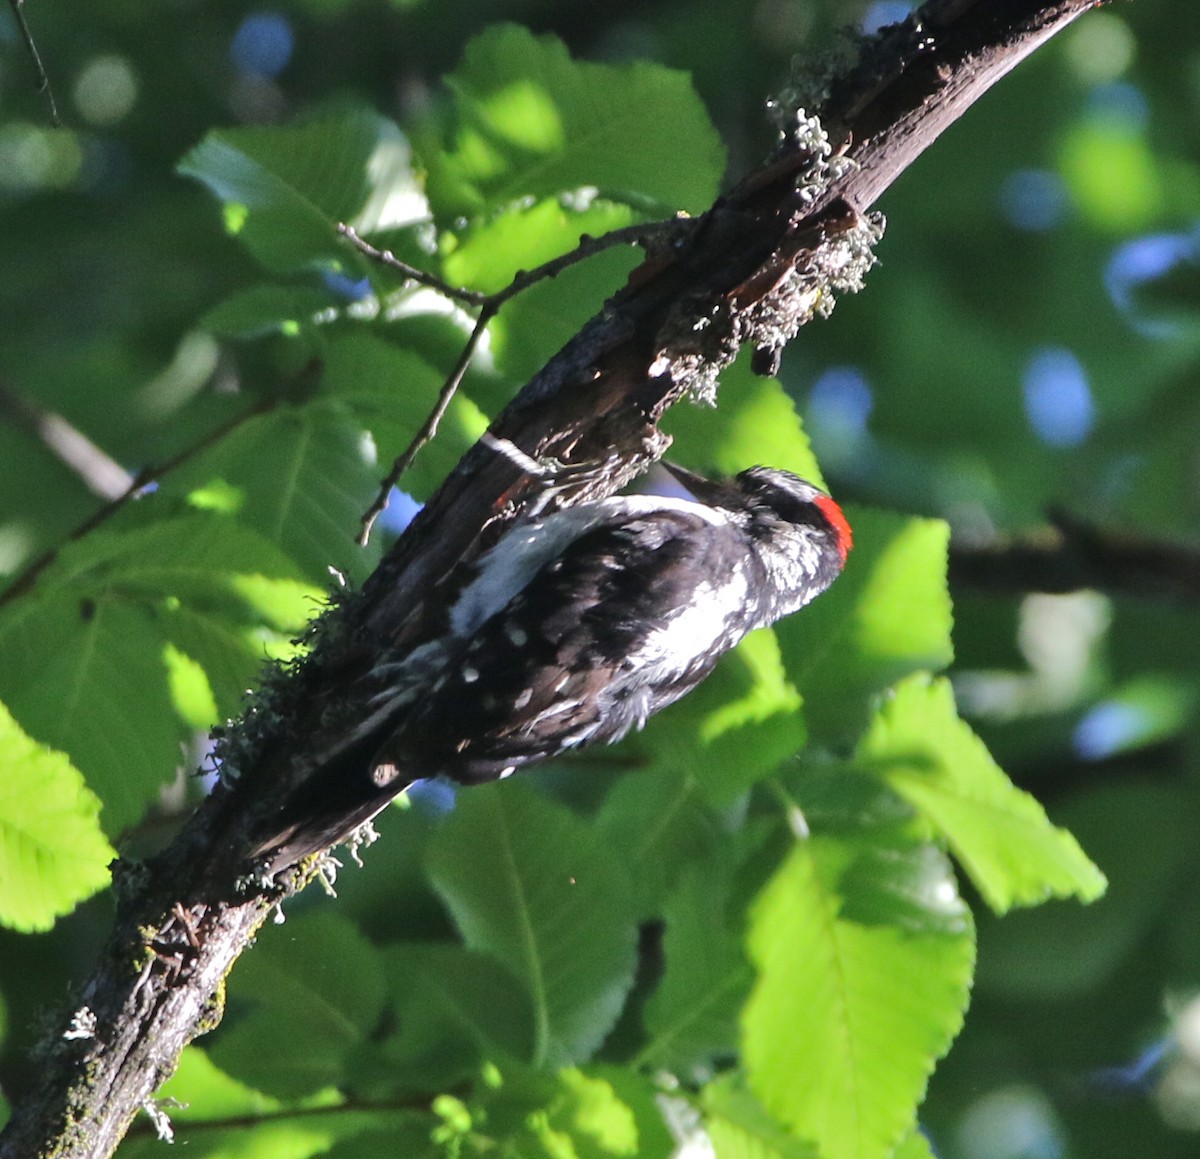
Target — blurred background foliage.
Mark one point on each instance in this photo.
(1029, 340)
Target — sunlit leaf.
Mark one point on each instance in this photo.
(915, 1146)
(533, 122)
(53, 853)
(490, 253)
(88, 670)
(86, 675)
(847, 1019)
(541, 320)
(302, 477)
(1000, 834)
(740, 1129)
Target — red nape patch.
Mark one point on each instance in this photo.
(832, 512)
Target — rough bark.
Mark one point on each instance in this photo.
(736, 274)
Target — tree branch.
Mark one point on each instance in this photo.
(489, 306)
(757, 265)
(1073, 554)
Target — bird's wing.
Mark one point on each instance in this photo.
(618, 624)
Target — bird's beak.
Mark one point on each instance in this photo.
(699, 487)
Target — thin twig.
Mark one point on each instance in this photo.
(489, 306)
(147, 475)
(43, 78)
(428, 427)
(412, 273)
(644, 235)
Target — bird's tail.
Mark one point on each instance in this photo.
(348, 788)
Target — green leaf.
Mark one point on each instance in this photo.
(1001, 835)
(660, 824)
(545, 316)
(533, 123)
(887, 615)
(318, 984)
(215, 1115)
(194, 556)
(300, 477)
(230, 654)
(88, 668)
(490, 253)
(692, 1017)
(739, 1127)
(454, 1007)
(588, 1117)
(638, 1095)
(231, 597)
(285, 189)
(601, 1112)
(531, 884)
(207, 1093)
(755, 424)
(52, 851)
(846, 1020)
(86, 674)
(914, 1146)
(191, 692)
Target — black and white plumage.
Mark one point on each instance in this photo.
(576, 628)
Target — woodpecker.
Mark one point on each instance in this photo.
(574, 628)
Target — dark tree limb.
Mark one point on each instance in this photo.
(1072, 554)
(752, 269)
